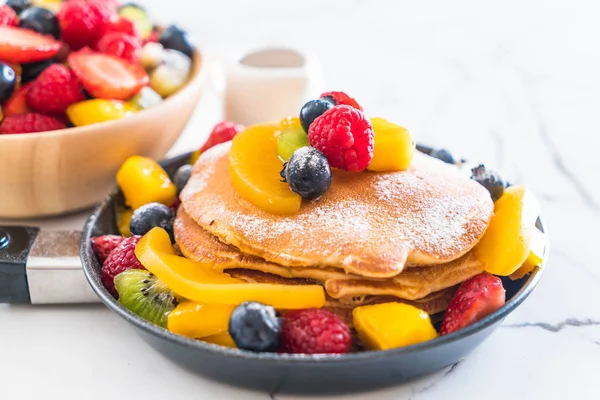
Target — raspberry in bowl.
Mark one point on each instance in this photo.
(341, 259)
(84, 84)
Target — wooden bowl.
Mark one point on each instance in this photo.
(57, 172)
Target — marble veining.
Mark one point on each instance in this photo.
(513, 84)
(568, 323)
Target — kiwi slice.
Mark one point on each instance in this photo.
(142, 293)
(138, 16)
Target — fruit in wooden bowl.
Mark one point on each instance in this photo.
(83, 86)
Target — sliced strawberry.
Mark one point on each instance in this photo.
(107, 77)
(475, 298)
(24, 46)
(17, 104)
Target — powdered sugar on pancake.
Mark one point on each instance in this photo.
(370, 224)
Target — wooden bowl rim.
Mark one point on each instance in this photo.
(199, 75)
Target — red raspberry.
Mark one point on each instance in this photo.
(122, 25)
(103, 245)
(83, 23)
(8, 16)
(314, 331)
(345, 136)
(54, 90)
(121, 45)
(112, 4)
(30, 123)
(341, 98)
(223, 132)
(122, 258)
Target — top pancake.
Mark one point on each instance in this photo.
(369, 224)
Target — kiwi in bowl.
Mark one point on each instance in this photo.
(66, 124)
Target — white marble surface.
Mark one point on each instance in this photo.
(514, 83)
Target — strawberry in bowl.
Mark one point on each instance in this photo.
(84, 84)
(80, 62)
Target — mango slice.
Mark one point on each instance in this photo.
(535, 257)
(143, 181)
(90, 112)
(124, 221)
(195, 156)
(255, 170)
(201, 283)
(390, 325)
(394, 147)
(507, 241)
(223, 339)
(197, 320)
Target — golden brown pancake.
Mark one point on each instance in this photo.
(369, 224)
(196, 243)
(432, 304)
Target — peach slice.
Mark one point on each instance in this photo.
(394, 147)
(255, 170)
(390, 325)
(507, 241)
(143, 181)
(197, 320)
(202, 283)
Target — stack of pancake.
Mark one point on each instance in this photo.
(373, 237)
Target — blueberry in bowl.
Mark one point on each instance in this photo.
(55, 94)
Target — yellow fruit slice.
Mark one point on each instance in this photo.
(394, 147)
(124, 221)
(223, 339)
(390, 325)
(535, 257)
(203, 284)
(197, 320)
(52, 5)
(506, 243)
(143, 181)
(195, 156)
(98, 110)
(255, 170)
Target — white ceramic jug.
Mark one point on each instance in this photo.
(270, 83)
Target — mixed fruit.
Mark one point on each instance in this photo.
(78, 62)
(147, 275)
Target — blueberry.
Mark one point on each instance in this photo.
(8, 80)
(311, 110)
(18, 5)
(255, 327)
(40, 20)
(489, 179)
(308, 173)
(444, 155)
(182, 176)
(176, 39)
(150, 216)
(33, 70)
